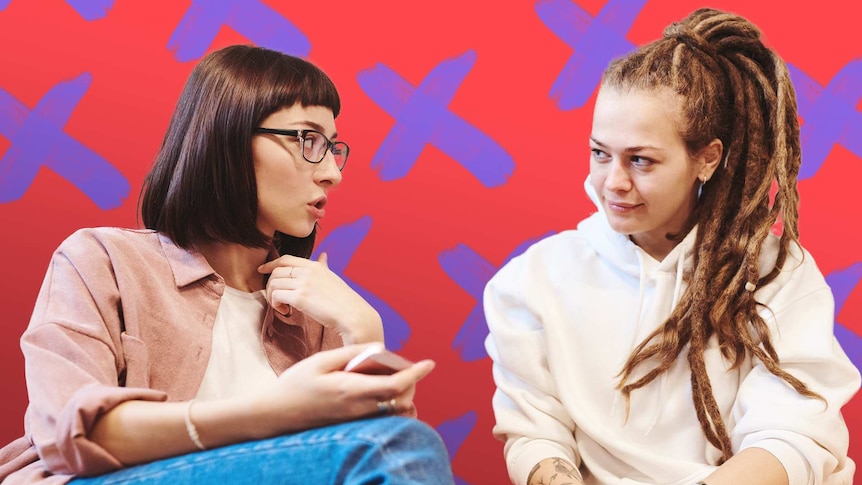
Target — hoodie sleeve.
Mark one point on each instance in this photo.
(529, 418)
(75, 352)
(808, 436)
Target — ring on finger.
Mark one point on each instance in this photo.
(386, 407)
(290, 274)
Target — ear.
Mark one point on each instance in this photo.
(709, 158)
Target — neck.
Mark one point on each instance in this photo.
(237, 264)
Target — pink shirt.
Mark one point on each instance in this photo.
(123, 315)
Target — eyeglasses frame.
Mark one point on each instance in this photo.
(301, 135)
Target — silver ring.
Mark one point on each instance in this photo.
(290, 275)
(386, 407)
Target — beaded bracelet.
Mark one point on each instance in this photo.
(191, 429)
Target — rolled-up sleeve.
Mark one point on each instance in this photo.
(807, 435)
(74, 359)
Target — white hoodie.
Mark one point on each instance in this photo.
(564, 317)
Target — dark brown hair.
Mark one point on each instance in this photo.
(202, 186)
(735, 89)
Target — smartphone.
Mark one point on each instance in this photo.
(377, 360)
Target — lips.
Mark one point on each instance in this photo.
(621, 206)
(316, 207)
(319, 203)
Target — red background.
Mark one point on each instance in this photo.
(438, 205)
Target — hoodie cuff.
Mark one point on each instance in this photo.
(795, 464)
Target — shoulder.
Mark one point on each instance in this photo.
(113, 243)
(110, 236)
(799, 276)
(561, 253)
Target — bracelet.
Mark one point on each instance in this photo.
(190, 428)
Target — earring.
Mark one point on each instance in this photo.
(703, 181)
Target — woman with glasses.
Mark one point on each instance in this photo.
(208, 347)
(673, 338)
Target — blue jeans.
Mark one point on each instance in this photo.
(386, 450)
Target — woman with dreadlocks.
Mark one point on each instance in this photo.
(678, 336)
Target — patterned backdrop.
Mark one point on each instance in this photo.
(468, 123)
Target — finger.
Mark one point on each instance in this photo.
(400, 382)
(323, 259)
(286, 273)
(280, 300)
(286, 260)
(336, 359)
(415, 372)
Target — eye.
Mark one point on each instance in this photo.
(641, 162)
(598, 155)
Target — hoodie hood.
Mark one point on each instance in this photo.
(619, 250)
(660, 283)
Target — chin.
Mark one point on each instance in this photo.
(298, 232)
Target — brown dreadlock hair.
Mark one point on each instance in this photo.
(734, 89)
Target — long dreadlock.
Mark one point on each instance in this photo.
(737, 90)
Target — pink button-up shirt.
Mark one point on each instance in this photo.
(123, 315)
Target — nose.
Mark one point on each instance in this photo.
(617, 179)
(327, 172)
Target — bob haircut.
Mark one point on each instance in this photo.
(202, 186)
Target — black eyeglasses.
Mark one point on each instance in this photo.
(314, 145)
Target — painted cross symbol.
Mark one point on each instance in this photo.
(37, 139)
(595, 42)
(842, 283)
(89, 9)
(251, 18)
(422, 116)
(339, 246)
(829, 115)
(472, 272)
(454, 432)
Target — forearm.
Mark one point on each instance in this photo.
(554, 471)
(142, 431)
(751, 466)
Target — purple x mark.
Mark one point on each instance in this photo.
(595, 42)
(842, 283)
(830, 115)
(339, 247)
(89, 9)
(422, 116)
(251, 18)
(471, 272)
(454, 432)
(38, 139)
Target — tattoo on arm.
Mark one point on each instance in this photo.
(563, 473)
(533, 472)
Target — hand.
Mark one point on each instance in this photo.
(312, 288)
(317, 392)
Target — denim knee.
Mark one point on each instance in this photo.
(405, 450)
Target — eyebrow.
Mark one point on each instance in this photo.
(634, 149)
(317, 127)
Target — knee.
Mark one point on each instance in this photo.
(407, 451)
(408, 433)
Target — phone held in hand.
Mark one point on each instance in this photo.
(377, 360)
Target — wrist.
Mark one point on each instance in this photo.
(363, 328)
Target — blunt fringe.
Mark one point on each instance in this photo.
(202, 186)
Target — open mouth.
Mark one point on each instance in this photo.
(319, 203)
